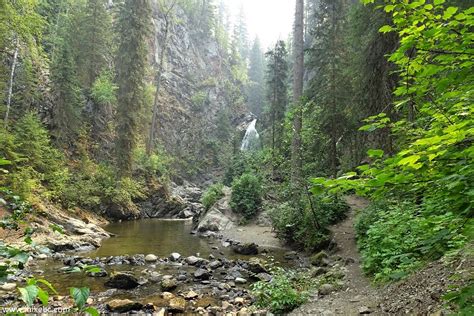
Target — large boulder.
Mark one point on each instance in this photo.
(122, 280)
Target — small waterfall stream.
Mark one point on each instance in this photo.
(251, 139)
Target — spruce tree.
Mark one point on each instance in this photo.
(277, 96)
(134, 21)
(255, 88)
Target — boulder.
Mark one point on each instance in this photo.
(122, 280)
(215, 264)
(246, 249)
(167, 295)
(151, 258)
(123, 306)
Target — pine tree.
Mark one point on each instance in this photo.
(134, 21)
(240, 37)
(255, 88)
(277, 96)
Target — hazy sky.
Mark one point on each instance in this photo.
(269, 19)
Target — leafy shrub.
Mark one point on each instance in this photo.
(246, 195)
(153, 164)
(306, 225)
(212, 195)
(286, 291)
(403, 236)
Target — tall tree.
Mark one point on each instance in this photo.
(240, 36)
(298, 74)
(255, 86)
(277, 96)
(134, 23)
(95, 41)
(329, 88)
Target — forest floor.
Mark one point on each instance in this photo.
(358, 295)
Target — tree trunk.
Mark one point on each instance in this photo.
(10, 85)
(298, 73)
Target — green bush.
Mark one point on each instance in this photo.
(246, 195)
(286, 291)
(306, 225)
(399, 238)
(212, 195)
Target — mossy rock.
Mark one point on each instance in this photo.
(319, 259)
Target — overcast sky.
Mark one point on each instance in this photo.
(271, 20)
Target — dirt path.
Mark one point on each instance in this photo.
(357, 296)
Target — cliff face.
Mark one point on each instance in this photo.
(200, 102)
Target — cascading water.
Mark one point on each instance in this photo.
(251, 139)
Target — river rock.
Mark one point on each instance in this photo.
(201, 274)
(363, 310)
(215, 264)
(168, 284)
(240, 281)
(264, 277)
(174, 256)
(191, 295)
(167, 295)
(255, 265)
(177, 305)
(42, 256)
(8, 287)
(151, 258)
(326, 289)
(123, 306)
(192, 260)
(246, 249)
(122, 280)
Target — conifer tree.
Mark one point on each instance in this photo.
(255, 88)
(134, 21)
(277, 96)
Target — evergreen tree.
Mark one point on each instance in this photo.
(68, 98)
(298, 75)
(255, 87)
(134, 21)
(95, 39)
(240, 37)
(329, 88)
(277, 96)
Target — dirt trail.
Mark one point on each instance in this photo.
(357, 295)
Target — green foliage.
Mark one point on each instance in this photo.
(286, 291)
(398, 238)
(104, 90)
(212, 195)
(36, 166)
(246, 195)
(463, 298)
(430, 177)
(306, 224)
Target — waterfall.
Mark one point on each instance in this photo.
(251, 138)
